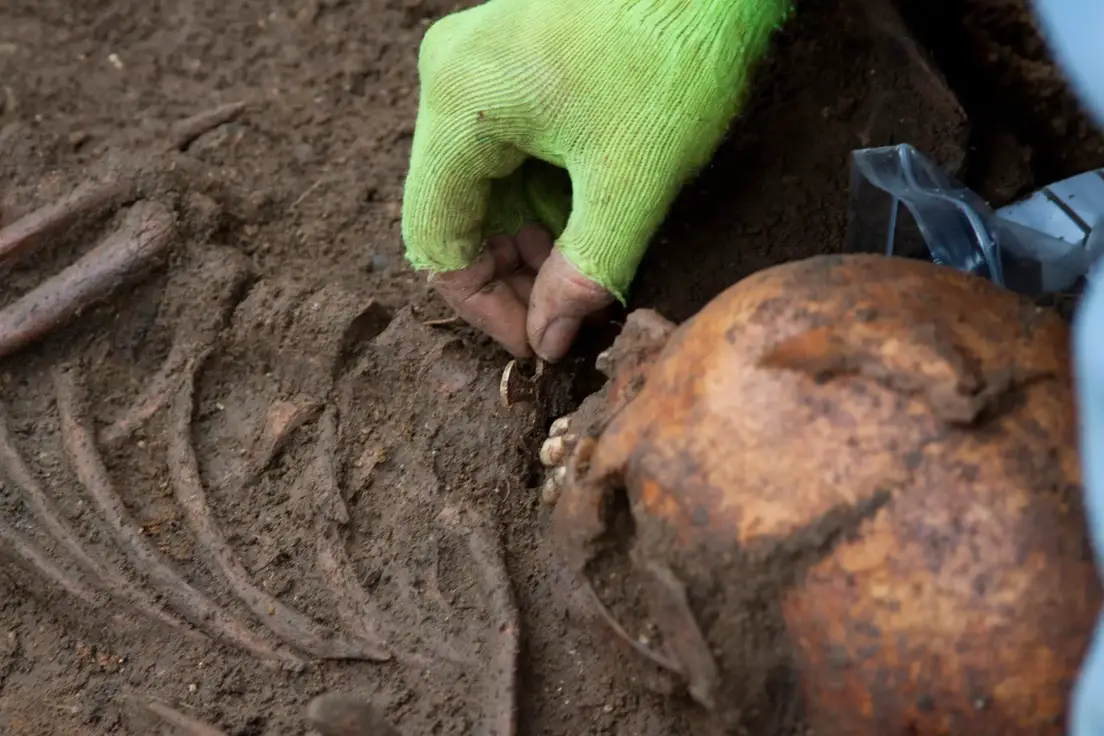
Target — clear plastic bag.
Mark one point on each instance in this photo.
(1045, 243)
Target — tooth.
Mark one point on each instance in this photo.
(550, 490)
(552, 452)
(560, 426)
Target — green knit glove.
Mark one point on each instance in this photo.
(631, 97)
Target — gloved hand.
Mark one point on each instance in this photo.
(631, 97)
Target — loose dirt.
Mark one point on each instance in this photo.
(269, 470)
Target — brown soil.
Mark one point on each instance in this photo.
(1019, 104)
(343, 485)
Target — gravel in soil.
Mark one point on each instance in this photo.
(260, 475)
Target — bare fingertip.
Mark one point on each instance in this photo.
(504, 252)
(554, 341)
(534, 245)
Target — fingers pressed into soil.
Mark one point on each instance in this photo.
(505, 620)
(179, 722)
(90, 470)
(49, 516)
(19, 236)
(347, 715)
(289, 625)
(187, 130)
(145, 235)
(354, 607)
(36, 558)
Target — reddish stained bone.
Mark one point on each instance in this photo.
(52, 219)
(90, 470)
(120, 258)
(187, 130)
(354, 607)
(356, 611)
(505, 622)
(282, 419)
(91, 197)
(223, 272)
(36, 558)
(291, 626)
(155, 395)
(49, 516)
(179, 722)
(434, 642)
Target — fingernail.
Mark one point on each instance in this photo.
(557, 338)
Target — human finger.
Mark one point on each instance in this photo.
(487, 302)
(562, 299)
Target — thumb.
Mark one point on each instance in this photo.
(562, 298)
(618, 203)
